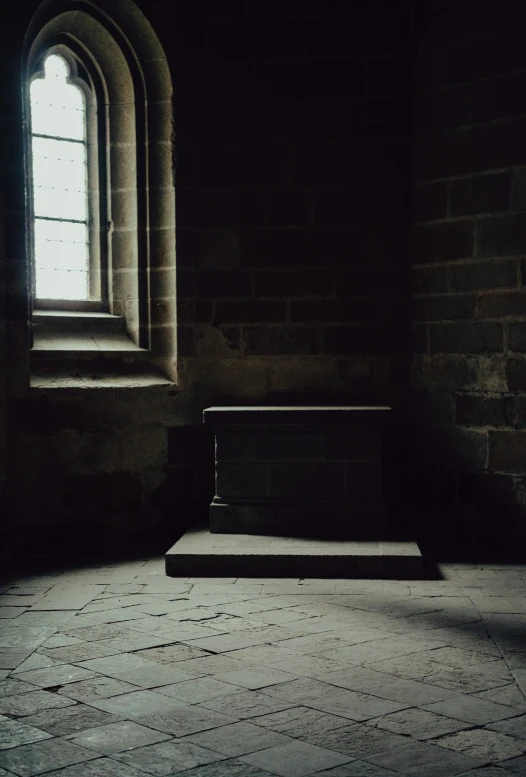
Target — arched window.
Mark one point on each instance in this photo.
(61, 216)
(101, 204)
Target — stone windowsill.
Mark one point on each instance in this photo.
(87, 350)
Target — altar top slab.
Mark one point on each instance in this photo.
(316, 415)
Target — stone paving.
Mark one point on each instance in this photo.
(120, 671)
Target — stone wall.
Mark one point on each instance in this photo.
(292, 124)
(293, 208)
(13, 299)
(3, 354)
(469, 306)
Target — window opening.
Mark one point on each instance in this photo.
(60, 185)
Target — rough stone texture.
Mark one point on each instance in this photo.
(422, 687)
(473, 286)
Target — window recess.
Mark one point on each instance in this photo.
(99, 175)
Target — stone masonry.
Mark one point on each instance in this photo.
(118, 671)
(469, 305)
(315, 471)
(299, 175)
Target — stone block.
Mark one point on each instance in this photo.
(497, 98)
(357, 340)
(279, 283)
(501, 304)
(306, 479)
(227, 283)
(217, 341)
(163, 342)
(443, 242)
(480, 276)
(446, 307)
(185, 341)
(480, 194)
(521, 411)
(507, 452)
(352, 446)
(242, 479)
(147, 445)
(517, 335)
(369, 280)
(200, 553)
(203, 311)
(280, 340)
(186, 257)
(518, 189)
(236, 165)
(278, 248)
(360, 205)
(221, 209)
(432, 280)
(217, 249)
(337, 310)
(249, 312)
(361, 522)
(466, 337)
(502, 235)
(234, 446)
(471, 150)
(516, 373)
(276, 446)
(477, 410)
(317, 247)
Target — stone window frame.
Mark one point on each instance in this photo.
(135, 199)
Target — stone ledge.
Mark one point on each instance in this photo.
(306, 417)
(199, 553)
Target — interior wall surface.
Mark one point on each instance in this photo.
(3, 352)
(469, 309)
(294, 194)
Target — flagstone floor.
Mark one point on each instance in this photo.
(119, 671)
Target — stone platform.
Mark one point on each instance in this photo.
(201, 553)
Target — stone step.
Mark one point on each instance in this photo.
(199, 553)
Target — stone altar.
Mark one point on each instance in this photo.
(299, 471)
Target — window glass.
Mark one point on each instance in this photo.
(60, 186)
